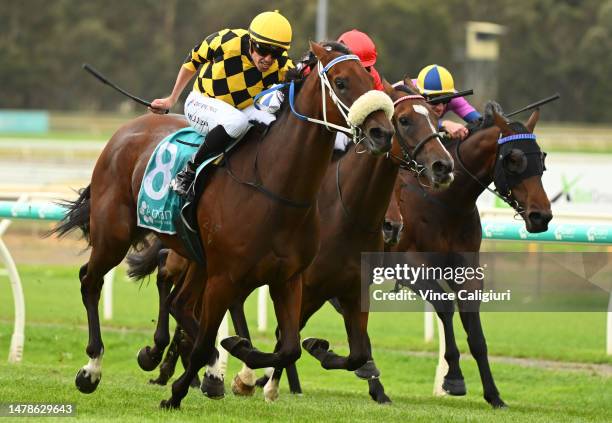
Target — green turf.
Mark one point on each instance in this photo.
(56, 335)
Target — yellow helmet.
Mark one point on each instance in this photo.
(434, 80)
(271, 28)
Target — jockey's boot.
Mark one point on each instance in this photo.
(215, 143)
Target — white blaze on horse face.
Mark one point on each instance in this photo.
(422, 110)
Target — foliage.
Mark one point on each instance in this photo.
(549, 46)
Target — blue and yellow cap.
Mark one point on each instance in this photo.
(434, 80)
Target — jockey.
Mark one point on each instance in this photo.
(362, 45)
(435, 80)
(235, 65)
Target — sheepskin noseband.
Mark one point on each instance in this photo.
(367, 103)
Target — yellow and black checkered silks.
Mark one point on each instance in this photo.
(228, 72)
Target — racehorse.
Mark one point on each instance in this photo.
(516, 169)
(278, 224)
(352, 203)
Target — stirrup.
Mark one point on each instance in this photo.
(183, 182)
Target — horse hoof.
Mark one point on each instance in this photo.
(242, 389)
(313, 344)
(233, 343)
(168, 405)
(455, 387)
(84, 383)
(261, 382)
(213, 387)
(377, 391)
(368, 371)
(146, 360)
(497, 403)
(382, 399)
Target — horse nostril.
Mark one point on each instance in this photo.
(441, 167)
(380, 134)
(387, 226)
(536, 218)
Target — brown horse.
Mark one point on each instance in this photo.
(278, 233)
(352, 206)
(352, 203)
(449, 222)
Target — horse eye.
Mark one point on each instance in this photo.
(340, 83)
(404, 121)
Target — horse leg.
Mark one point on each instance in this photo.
(310, 305)
(478, 348)
(216, 299)
(243, 383)
(166, 369)
(454, 383)
(356, 324)
(370, 372)
(108, 249)
(286, 297)
(149, 358)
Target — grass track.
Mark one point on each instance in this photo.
(56, 336)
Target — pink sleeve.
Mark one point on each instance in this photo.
(463, 109)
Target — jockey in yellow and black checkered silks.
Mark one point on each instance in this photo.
(232, 66)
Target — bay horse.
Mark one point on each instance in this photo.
(278, 224)
(449, 222)
(352, 203)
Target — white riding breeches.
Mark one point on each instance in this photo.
(341, 141)
(205, 113)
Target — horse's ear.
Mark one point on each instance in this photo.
(387, 86)
(533, 119)
(501, 123)
(318, 50)
(408, 83)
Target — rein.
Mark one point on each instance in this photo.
(506, 198)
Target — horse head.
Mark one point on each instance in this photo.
(352, 99)
(518, 169)
(418, 141)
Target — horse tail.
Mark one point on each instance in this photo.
(77, 215)
(142, 263)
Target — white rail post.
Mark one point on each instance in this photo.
(442, 367)
(262, 308)
(609, 328)
(18, 337)
(222, 334)
(429, 322)
(107, 290)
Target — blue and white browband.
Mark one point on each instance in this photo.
(516, 137)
